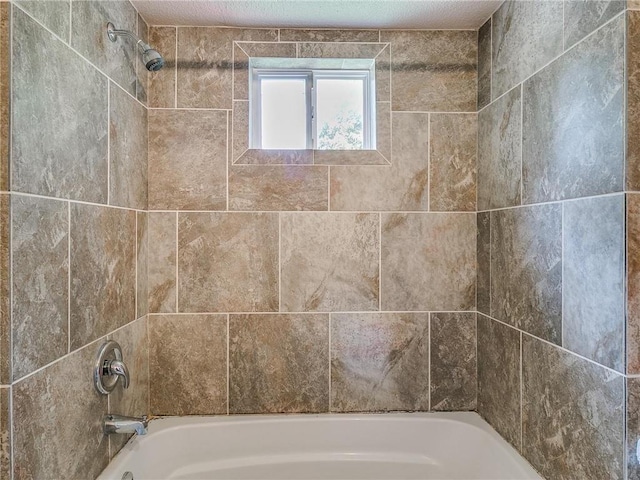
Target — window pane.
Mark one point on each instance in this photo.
(284, 113)
(340, 114)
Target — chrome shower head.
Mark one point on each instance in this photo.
(152, 60)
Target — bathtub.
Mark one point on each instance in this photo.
(383, 446)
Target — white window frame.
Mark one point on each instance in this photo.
(311, 76)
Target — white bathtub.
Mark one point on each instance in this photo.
(387, 446)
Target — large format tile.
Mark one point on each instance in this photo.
(163, 248)
(5, 93)
(633, 284)
(526, 36)
(188, 364)
(39, 315)
(572, 414)
(128, 151)
(59, 124)
(499, 152)
(379, 361)
(401, 186)
(499, 378)
(278, 187)
(117, 59)
(452, 162)
(526, 261)
(428, 261)
(484, 65)
(573, 121)
(162, 84)
(142, 264)
(205, 65)
(633, 101)
(328, 35)
(228, 262)
(53, 14)
(633, 427)
(433, 70)
(134, 401)
(453, 364)
(187, 160)
(103, 271)
(581, 17)
(329, 262)
(483, 256)
(57, 421)
(593, 315)
(5, 289)
(142, 74)
(278, 363)
(5, 433)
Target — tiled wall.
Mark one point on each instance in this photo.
(312, 288)
(74, 211)
(551, 234)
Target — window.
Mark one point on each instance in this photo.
(319, 109)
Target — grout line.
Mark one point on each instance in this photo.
(550, 202)
(68, 277)
(325, 312)
(197, 109)
(177, 274)
(79, 202)
(337, 212)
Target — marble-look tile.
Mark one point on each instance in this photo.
(187, 160)
(593, 315)
(581, 17)
(484, 65)
(205, 66)
(329, 262)
(59, 124)
(40, 243)
(453, 361)
(499, 378)
(5, 433)
(401, 186)
(278, 187)
(89, 37)
(161, 91)
(5, 288)
(572, 414)
(134, 401)
(633, 4)
(215, 275)
(483, 254)
(383, 75)
(128, 145)
(163, 248)
(142, 264)
(499, 152)
(633, 427)
(573, 121)
(428, 261)
(633, 101)
(433, 70)
(633, 284)
(5, 93)
(142, 74)
(525, 37)
(103, 271)
(242, 52)
(379, 362)
(322, 35)
(452, 169)
(53, 14)
(278, 363)
(340, 50)
(526, 250)
(57, 421)
(188, 364)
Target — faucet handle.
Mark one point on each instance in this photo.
(109, 368)
(116, 367)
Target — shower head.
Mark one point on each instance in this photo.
(152, 60)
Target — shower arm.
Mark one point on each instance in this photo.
(113, 34)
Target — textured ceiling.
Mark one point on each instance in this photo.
(401, 14)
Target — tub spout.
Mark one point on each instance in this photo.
(121, 424)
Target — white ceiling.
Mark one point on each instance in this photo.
(400, 14)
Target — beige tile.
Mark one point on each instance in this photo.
(633, 101)
(329, 262)
(328, 35)
(103, 271)
(228, 262)
(187, 160)
(40, 242)
(433, 70)
(401, 186)
(339, 50)
(142, 74)
(633, 284)
(484, 262)
(205, 66)
(242, 52)
(428, 261)
(278, 187)
(128, 151)
(5, 433)
(278, 363)
(484, 65)
(163, 247)
(162, 84)
(188, 364)
(57, 421)
(453, 147)
(5, 288)
(142, 264)
(379, 361)
(633, 426)
(5, 93)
